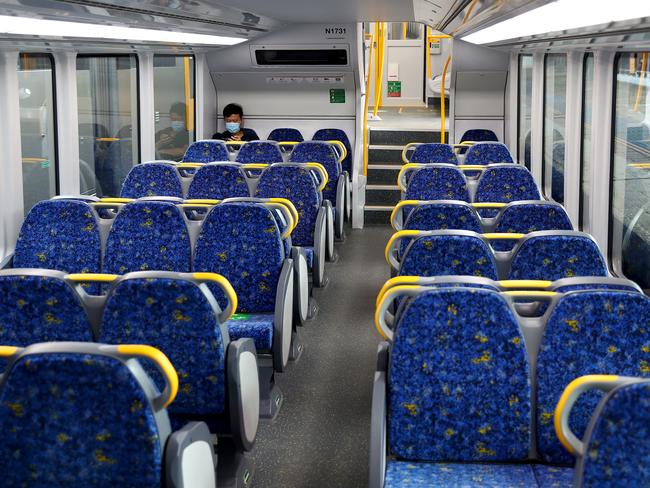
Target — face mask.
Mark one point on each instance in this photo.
(232, 127)
(177, 125)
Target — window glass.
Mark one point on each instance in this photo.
(585, 158)
(525, 104)
(554, 122)
(107, 91)
(37, 131)
(630, 207)
(173, 88)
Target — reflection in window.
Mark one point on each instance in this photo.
(37, 131)
(107, 92)
(554, 122)
(525, 104)
(586, 161)
(173, 86)
(404, 31)
(630, 207)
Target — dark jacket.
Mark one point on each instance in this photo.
(249, 135)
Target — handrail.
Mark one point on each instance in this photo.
(189, 101)
(429, 38)
(644, 64)
(365, 108)
(381, 43)
(442, 100)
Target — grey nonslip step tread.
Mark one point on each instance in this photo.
(376, 214)
(401, 136)
(382, 174)
(382, 196)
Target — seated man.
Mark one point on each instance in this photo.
(233, 116)
(172, 141)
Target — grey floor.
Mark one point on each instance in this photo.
(320, 437)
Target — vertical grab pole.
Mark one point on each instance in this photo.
(365, 107)
(381, 42)
(189, 101)
(442, 100)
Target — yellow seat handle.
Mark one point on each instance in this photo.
(189, 165)
(116, 200)
(228, 290)
(472, 167)
(396, 216)
(488, 204)
(382, 308)
(340, 149)
(322, 173)
(524, 284)
(235, 143)
(8, 351)
(405, 169)
(200, 202)
(288, 216)
(530, 294)
(395, 281)
(91, 277)
(255, 166)
(513, 236)
(289, 210)
(408, 147)
(391, 248)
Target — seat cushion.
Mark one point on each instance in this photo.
(553, 476)
(257, 326)
(309, 255)
(405, 474)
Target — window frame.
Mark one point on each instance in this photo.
(521, 148)
(581, 203)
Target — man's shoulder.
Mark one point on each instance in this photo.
(250, 134)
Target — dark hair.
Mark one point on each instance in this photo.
(178, 108)
(233, 109)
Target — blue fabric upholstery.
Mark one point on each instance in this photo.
(258, 327)
(403, 474)
(323, 153)
(337, 135)
(434, 153)
(242, 242)
(77, 420)
(551, 257)
(266, 152)
(505, 184)
(152, 179)
(488, 153)
(529, 217)
(62, 235)
(206, 151)
(479, 135)
(175, 316)
(553, 476)
(600, 332)
(458, 385)
(40, 309)
(148, 235)
(298, 186)
(309, 255)
(218, 181)
(285, 134)
(443, 255)
(618, 447)
(557, 173)
(437, 183)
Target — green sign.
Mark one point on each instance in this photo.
(337, 95)
(394, 88)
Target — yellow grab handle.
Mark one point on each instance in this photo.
(288, 204)
(7, 351)
(398, 209)
(164, 365)
(107, 139)
(201, 201)
(395, 281)
(116, 200)
(291, 223)
(255, 166)
(227, 289)
(323, 174)
(406, 169)
(639, 165)
(288, 143)
(529, 293)
(503, 235)
(472, 167)
(235, 143)
(488, 204)
(91, 277)
(401, 234)
(520, 284)
(406, 149)
(382, 307)
(188, 165)
(343, 151)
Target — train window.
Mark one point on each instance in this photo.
(173, 87)
(630, 172)
(554, 123)
(525, 106)
(107, 93)
(585, 151)
(37, 128)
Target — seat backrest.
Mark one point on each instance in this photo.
(323, 153)
(218, 181)
(337, 135)
(587, 332)
(181, 318)
(206, 151)
(458, 380)
(296, 184)
(266, 152)
(62, 235)
(40, 307)
(148, 235)
(488, 153)
(443, 215)
(80, 419)
(434, 153)
(242, 242)
(447, 253)
(437, 183)
(552, 255)
(504, 184)
(285, 134)
(152, 179)
(617, 440)
(479, 135)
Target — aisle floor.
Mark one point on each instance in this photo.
(321, 435)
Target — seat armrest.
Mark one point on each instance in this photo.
(243, 392)
(283, 318)
(339, 211)
(7, 262)
(300, 284)
(348, 196)
(190, 460)
(330, 229)
(378, 420)
(320, 245)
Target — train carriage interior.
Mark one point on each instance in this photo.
(371, 243)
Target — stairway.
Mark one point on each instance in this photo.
(385, 147)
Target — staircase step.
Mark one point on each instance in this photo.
(386, 195)
(377, 214)
(398, 136)
(383, 174)
(385, 154)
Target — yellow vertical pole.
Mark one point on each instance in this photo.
(365, 108)
(639, 90)
(404, 29)
(442, 101)
(428, 41)
(189, 101)
(381, 43)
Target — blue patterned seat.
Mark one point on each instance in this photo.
(588, 332)
(437, 183)
(323, 153)
(505, 184)
(479, 135)
(148, 235)
(285, 134)
(526, 217)
(448, 254)
(337, 135)
(152, 179)
(548, 255)
(206, 151)
(266, 152)
(405, 474)
(484, 153)
(218, 181)
(434, 153)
